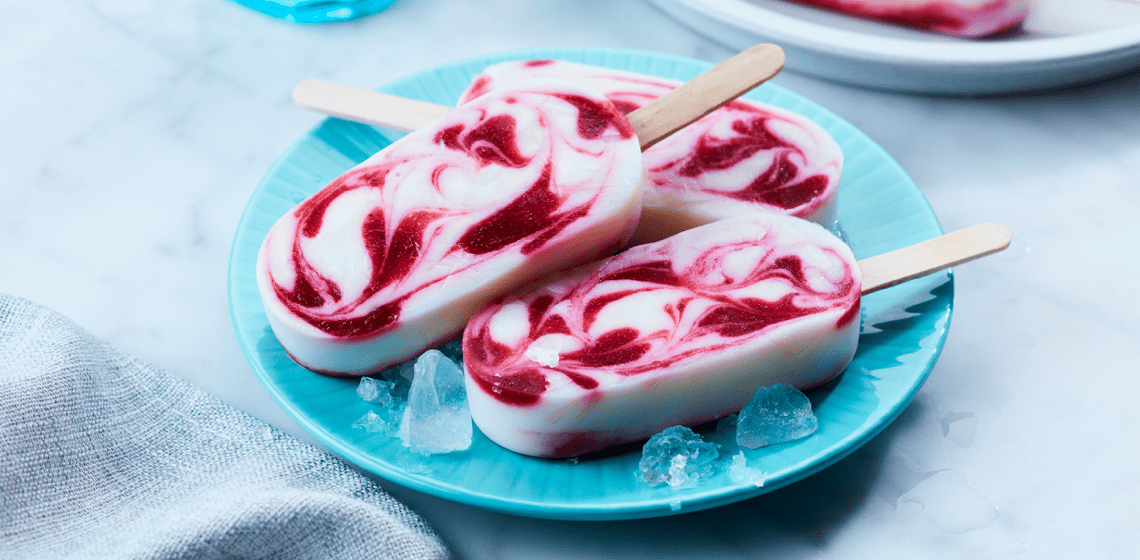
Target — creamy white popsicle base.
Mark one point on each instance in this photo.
(682, 331)
(742, 158)
(396, 254)
(965, 18)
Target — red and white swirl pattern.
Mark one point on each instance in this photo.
(963, 18)
(682, 331)
(742, 158)
(396, 254)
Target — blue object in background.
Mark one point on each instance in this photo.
(316, 11)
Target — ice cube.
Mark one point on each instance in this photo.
(740, 473)
(390, 399)
(437, 418)
(371, 423)
(678, 457)
(775, 414)
(375, 391)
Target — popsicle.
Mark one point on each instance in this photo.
(681, 331)
(963, 18)
(744, 157)
(395, 255)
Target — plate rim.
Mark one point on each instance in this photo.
(637, 509)
(1035, 63)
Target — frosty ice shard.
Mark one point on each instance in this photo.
(678, 457)
(775, 414)
(437, 418)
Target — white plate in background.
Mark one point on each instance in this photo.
(1063, 42)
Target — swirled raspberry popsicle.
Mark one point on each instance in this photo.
(964, 18)
(681, 331)
(394, 256)
(744, 157)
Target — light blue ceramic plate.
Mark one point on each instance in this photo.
(903, 327)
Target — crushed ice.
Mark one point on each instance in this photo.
(437, 418)
(390, 398)
(371, 423)
(377, 391)
(678, 457)
(422, 402)
(775, 414)
(740, 473)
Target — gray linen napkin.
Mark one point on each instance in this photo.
(102, 456)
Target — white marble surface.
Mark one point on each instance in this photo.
(132, 133)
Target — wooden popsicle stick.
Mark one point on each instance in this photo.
(932, 255)
(706, 93)
(652, 122)
(366, 106)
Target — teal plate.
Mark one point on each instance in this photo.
(904, 327)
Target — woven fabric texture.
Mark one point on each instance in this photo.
(103, 456)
